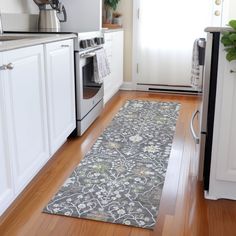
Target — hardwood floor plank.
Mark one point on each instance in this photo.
(183, 210)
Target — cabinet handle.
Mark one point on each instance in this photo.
(195, 137)
(232, 71)
(3, 67)
(65, 46)
(10, 66)
(87, 55)
(217, 13)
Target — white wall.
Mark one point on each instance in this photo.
(18, 6)
(126, 8)
(232, 9)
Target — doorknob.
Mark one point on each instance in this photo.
(217, 13)
(217, 2)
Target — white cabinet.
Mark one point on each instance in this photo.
(60, 92)
(114, 43)
(223, 165)
(25, 112)
(35, 106)
(6, 181)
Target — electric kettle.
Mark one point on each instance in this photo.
(50, 12)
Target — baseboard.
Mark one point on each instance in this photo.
(130, 86)
(127, 86)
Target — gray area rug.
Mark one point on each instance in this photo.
(121, 178)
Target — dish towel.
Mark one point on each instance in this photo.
(101, 66)
(195, 72)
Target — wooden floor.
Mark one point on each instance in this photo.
(183, 210)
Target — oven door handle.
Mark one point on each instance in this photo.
(88, 55)
(195, 137)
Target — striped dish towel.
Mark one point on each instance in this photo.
(101, 66)
(195, 72)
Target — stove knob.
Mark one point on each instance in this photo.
(99, 40)
(83, 44)
(93, 42)
(89, 42)
(96, 41)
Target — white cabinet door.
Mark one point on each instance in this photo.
(26, 118)
(117, 59)
(60, 92)
(114, 43)
(6, 181)
(223, 166)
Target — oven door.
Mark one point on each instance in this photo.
(89, 93)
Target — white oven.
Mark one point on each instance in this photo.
(89, 94)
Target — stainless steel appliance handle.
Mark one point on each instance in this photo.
(195, 137)
(87, 55)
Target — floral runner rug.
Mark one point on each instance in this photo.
(120, 180)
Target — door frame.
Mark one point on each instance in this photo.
(224, 9)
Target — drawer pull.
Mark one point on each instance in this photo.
(3, 67)
(7, 67)
(65, 46)
(10, 66)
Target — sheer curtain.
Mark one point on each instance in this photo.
(167, 30)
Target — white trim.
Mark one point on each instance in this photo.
(209, 197)
(147, 87)
(127, 86)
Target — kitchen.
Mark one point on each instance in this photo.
(183, 209)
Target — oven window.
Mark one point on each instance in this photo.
(90, 88)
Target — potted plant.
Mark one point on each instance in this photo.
(110, 6)
(117, 18)
(229, 41)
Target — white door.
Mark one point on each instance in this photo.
(60, 92)
(24, 86)
(164, 35)
(6, 181)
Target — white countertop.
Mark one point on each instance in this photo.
(106, 30)
(219, 29)
(31, 40)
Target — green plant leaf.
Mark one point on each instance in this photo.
(231, 55)
(232, 23)
(228, 49)
(111, 3)
(226, 41)
(229, 41)
(232, 37)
